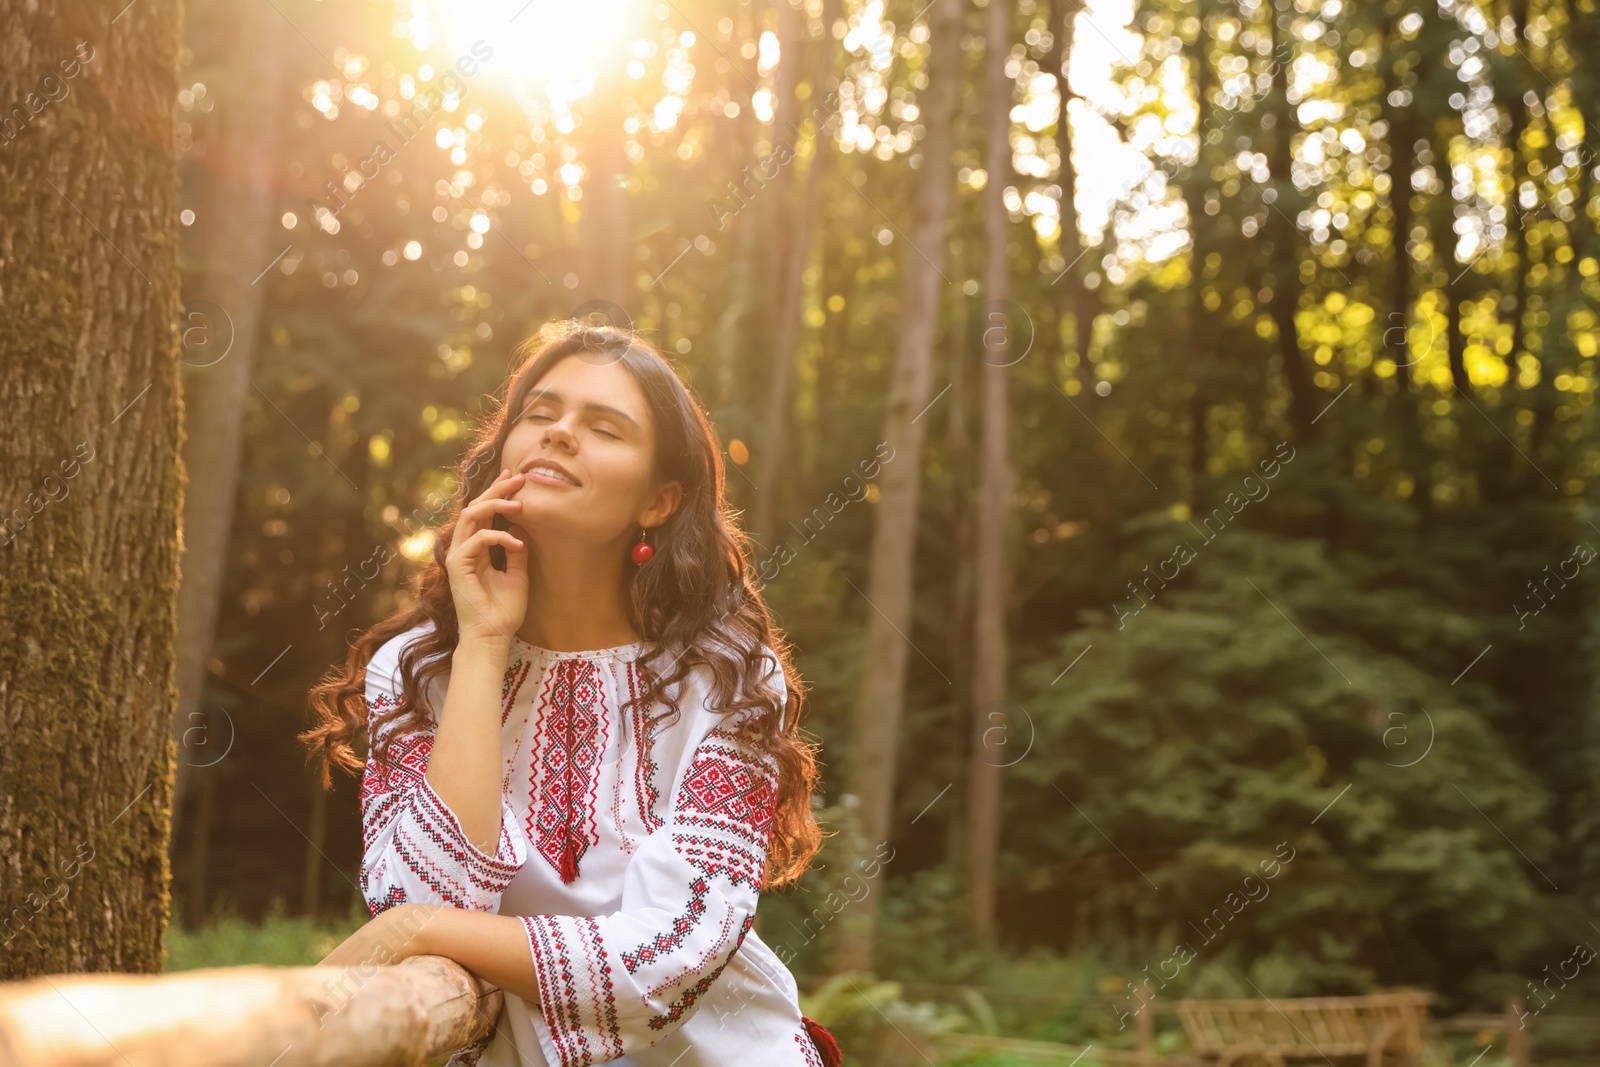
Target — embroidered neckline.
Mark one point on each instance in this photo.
(621, 652)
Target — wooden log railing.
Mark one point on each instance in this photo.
(412, 1013)
(409, 1014)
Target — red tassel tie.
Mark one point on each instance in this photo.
(569, 833)
(569, 859)
(826, 1045)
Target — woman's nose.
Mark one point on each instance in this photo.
(559, 431)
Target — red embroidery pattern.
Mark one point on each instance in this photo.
(384, 786)
(723, 813)
(516, 674)
(808, 1048)
(720, 824)
(644, 785)
(663, 944)
(691, 968)
(575, 992)
(644, 766)
(397, 895)
(425, 837)
(572, 738)
(680, 1007)
(408, 759)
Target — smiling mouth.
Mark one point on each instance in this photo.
(547, 474)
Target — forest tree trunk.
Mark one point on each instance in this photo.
(994, 491)
(875, 751)
(1414, 457)
(1285, 260)
(1202, 322)
(788, 326)
(91, 483)
(230, 252)
(786, 345)
(1073, 253)
(729, 392)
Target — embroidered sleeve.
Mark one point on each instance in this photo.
(415, 850)
(611, 985)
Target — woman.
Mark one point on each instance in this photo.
(585, 755)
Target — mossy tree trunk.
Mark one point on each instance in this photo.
(91, 483)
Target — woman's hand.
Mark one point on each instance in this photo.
(391, 936)
(490, 604)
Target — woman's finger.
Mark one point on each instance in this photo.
(504, 483)
(480, 514)
(478, 544)
(471, 521)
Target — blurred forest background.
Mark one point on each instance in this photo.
(1244, 407)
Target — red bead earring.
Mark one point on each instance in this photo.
(642, 551)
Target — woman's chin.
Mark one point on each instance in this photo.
(558, 526)
(542, 506)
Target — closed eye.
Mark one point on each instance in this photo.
(536, 415)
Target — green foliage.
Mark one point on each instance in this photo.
(872, 1021)
(1348, 666)
(278, 940)
(1259, 705)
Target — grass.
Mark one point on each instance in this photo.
(280, 940)
(853, 1012)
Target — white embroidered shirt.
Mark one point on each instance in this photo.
(632, 850)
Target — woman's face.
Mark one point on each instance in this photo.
(585, 439)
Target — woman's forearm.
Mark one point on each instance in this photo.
(464, 767)
(493, 947)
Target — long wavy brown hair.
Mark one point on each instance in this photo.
(693, 605)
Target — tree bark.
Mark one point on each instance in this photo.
(729, 390)
(876, 735)
(1402, 162)
(1440, 217)
(961, 481)
(1073, 252)
(1456, 342)
(93, 483)
(786, 344)
(1517, 114)
(788, 326)
(1202, 323)
(203, 786)
(994, 494)
(1557, 351)
(316, 851)
(774, 212)
(1285, 242)
(230, 251)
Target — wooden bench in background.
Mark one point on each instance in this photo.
(1383, 1028)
